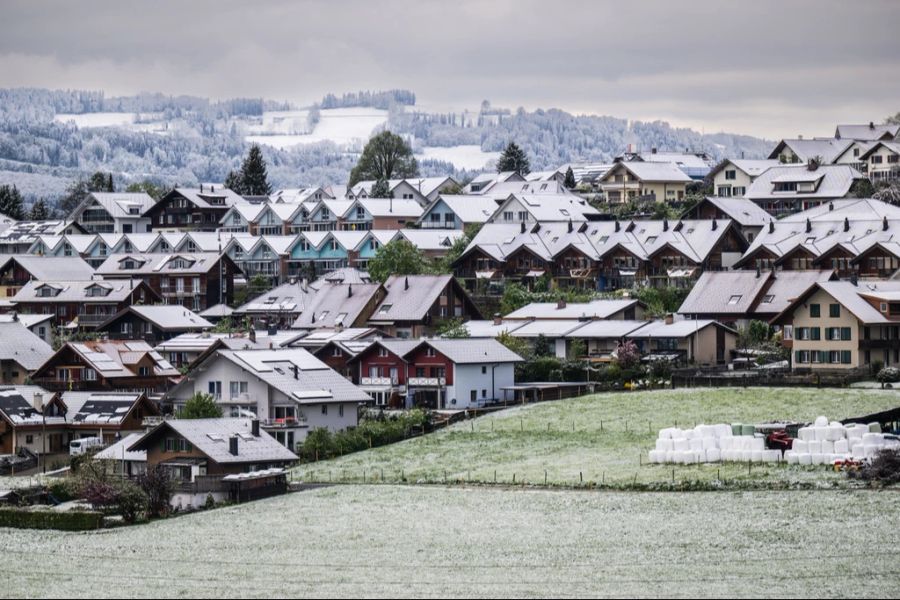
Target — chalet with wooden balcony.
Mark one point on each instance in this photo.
(637, 180)
(17, 271)
(196, 281)
(107, 365)
(114, 212)
(192, 209)
(153, 324)
(415, 305)
(380, 370)
(82, 304)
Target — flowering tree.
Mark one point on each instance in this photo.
(627, 355)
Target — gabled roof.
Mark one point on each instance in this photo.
(211, 437)
(16, 405)
(167, 317)
(336, 305)
(725, 292)
(676, 329)
(249, 212)
(834, 181)
(19, 344)
(742, 211)
(115, 359)
(490, 329)
(596, 309)
(119, 290)
(868, 132)
(318, 337)
(211, 196)
(119, 204)
(606, 329)
(119, 450)
(104, 408)
(750, 167)
(651, 172)
(435, 240)
(290, 298)
(828, 149)
(850, 296)
(410, 297)
(386, 207)
(159, 264)
(470, 350)
(468, 209)
(50, 268)
(551, 207)
(894, 147)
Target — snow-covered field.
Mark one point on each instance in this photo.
(602, 439)
(343, 126)
(99, 119)
(463, 157)
(381, 541)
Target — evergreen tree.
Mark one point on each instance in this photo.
(381, 189)
(101, 182)
(11, 203)
(200, 406)
(109, 184)
(514, 159)
(75, 195)
(39, 211)
(397, 258)
(254, 179)
(570, 179)
(233, 182)
(386, 156)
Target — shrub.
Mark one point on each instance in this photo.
(46, 519)
(884, 468)
(157, 485)
(888, 375)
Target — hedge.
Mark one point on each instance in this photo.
(44, 519)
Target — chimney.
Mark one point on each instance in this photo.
(669, 318)
(830, 206)
(808, 225)
(561, 304)
(571, 227)
(406, 283)
(652, 150)
(201, 188)
(771, 226)
(715, 225)
(296, 371)
(583, 228)
(871, 125)
(618, 227)
(846, 224)
(665, 224)
(853, 279)
(254, 427)
(212, 188)
(15, 315)
(523, 227)
(800, 136)
(233, 445)
(38, 402)
(884, 226)
(350, 291)
(758, 272)
(536, 228)
(498, 320)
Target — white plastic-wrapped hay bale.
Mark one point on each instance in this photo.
(871, 450)
(696, 444)
(891, 443)
(827, 447)
(688, 433)
(820, 433)
(709, 442)
(771, 455)
(814, 446)
(664, 445)
(723, 430)
(873, 439)
(806, 434)
(746, 455)
(818, 458)
(713, 455)
(689, 458)
(842, 446)
(756, 455)
(653, 456)
(804, 459)
(758, 443)
(790, 457)
(670, 456)
(856, 431)
(681, 444)
(874, 427)
(665, 434)
(726, 443)
(821, 422)
(834, 433)
(800, 446)
(700, 456)
(858, 450)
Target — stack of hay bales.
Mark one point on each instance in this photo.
(827, 442)
(710, 444)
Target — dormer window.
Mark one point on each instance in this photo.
(384, 309)
(97, 290)
(429, 351)
(47, 291)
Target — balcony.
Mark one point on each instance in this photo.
(93, 319)
(284, 423)
(427, 381)
(438, 225)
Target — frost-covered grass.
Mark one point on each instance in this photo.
(97, 119)
(603, 438)
(342, 126)
(384, 541)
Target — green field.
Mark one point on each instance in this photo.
(388, 541)
(602, 439)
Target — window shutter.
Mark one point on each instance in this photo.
(845, 357)
(846, 334)
(816, 333)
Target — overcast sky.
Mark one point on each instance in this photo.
(774, 69)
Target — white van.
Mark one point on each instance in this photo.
(83, 445)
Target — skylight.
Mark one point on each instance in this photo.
(735, 299)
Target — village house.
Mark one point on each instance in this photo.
(696, 165)
(421, 190)
(546, 208)
(17, 271)
(21, 353)
(119, 461)
(19, 237)
(882, 161)
(457, 212)
(340, 305)
(458, 373)
(636, 180)
(289, 390)
(106, 365)
(703, 342)
(82, 304)
(192, 209)
(748, 218)
(380, 370)
(792, 188)
(868, 133)
(226, 459)
(823, 151)
(379, 213)
(242, 217)
(732, 177)
(841, 325)
(106, 415)
(484, 182)
(153, 324)
(38, 324)
(114, 212)
(416, 304)
(193, 280)
(182, 350)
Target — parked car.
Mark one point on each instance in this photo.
(83, 445)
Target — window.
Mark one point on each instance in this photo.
(382, 352)
(484, 393)
(473, 396)
(144, 371)
(429, 351)
(29, 439)
(768, 298)
(215, 389)
(324, 409)
(735, 299)
(89, 374)
(236, 388)
(815, 310)
(340, 410)
(834, 311)
(484, 370)
(336, 352)
(731, 174)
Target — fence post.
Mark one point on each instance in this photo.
(545, 477)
